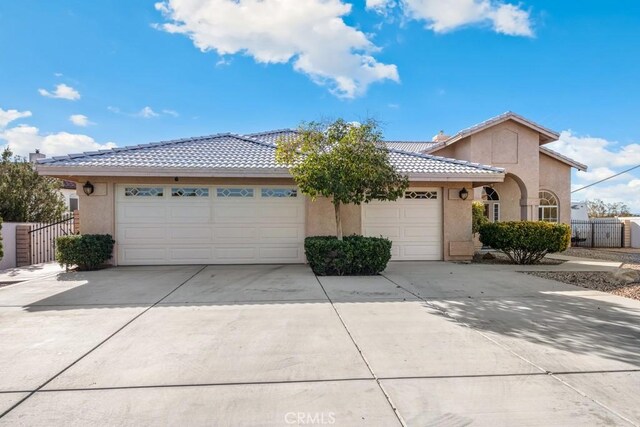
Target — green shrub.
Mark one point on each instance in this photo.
(526, 242)
(1, 251)
(87, 251)
(354, 255)
(477, 215)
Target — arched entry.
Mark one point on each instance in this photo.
(524, 195)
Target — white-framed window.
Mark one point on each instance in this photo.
(234, 192)
(189, 192)
(491, 200)
(73, 204)
(548, 209)
(278, 192)
(144, 192)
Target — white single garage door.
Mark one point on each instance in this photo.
(187, 224)
(413, 223)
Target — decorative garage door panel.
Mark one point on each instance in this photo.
(413, 223)
(195, 225)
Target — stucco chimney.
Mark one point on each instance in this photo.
(33, 157)
(440, 137)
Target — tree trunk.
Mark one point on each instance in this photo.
(336, 206)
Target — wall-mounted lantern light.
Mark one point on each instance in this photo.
(88, 188)
(463, 194)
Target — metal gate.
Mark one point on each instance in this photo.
(43, 238)
(597, 234)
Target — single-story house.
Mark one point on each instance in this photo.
(223, 199)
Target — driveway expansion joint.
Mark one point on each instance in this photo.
(544, 371)
(364, 359)
(137, 316)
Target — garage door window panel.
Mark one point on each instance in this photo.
(189, 192)
(429, 195)
(278, 192)
(144, 192)
(244, 193)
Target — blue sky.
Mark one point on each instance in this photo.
(78, 75)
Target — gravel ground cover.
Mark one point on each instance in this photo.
(623, 283)
(630, 258)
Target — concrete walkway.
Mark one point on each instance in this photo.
(570, 264)
(423, 344)
(36, 271)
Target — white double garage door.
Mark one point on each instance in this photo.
(190, 224)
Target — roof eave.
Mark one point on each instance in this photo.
(458, 177)
(564, 159)
(241, 173)
(547, 135)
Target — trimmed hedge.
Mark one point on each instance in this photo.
(526, 242)
(87, 251)
(354, 255)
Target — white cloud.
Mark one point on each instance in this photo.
(62, 92)
(171, 113)
(596, 152)
(80, 120)
(7, 116)
(447, 15)
(605, 158)
(310, 33)
(622, 192)
(147, 113)
(25, 139)
(383, 7)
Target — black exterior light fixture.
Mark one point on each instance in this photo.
(463, 194)
(87, 188)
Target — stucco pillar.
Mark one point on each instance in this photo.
(529, 209)
(458, 244)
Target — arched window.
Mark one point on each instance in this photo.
(548, 209)
(491, 200)
(489, 194)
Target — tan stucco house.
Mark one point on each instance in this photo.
(223, 199)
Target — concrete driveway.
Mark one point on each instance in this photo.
(424, 344)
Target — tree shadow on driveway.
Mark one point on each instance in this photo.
(558, 331)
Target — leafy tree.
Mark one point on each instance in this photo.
(344, 161)
(599, 209)
(26, 196)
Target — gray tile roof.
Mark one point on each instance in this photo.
(407, 162)
(272, 136)
(410, 146)
(230, 151)
(214, 151)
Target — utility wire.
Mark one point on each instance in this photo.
(606, 179)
